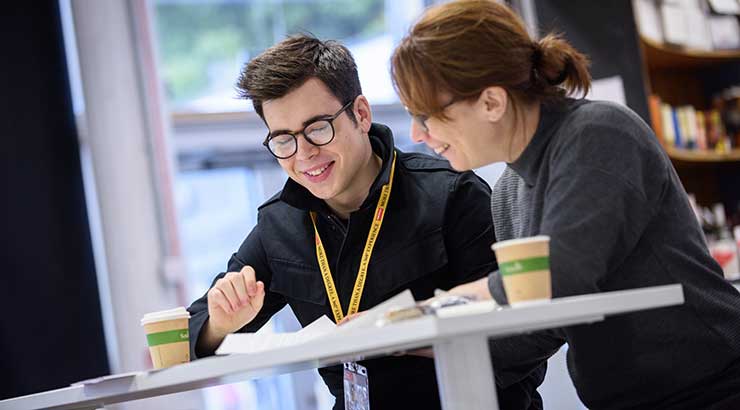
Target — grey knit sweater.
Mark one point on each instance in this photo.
(596, 180)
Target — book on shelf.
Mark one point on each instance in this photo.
(701, 131)
(656, 116)
(677, 131)
(725, 32)
(689, 128)
(669, 130)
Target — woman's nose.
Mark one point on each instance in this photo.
(418, 133)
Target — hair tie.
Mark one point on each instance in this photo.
(536, 56)
(535, 77)
(563, 74)
(537, 74)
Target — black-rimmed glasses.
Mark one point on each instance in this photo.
(318, 133)
(421, 119)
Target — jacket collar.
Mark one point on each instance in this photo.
(529, 162)
(381, 140)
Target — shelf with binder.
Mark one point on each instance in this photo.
(663, 56)
(683, 76)
(692, 155)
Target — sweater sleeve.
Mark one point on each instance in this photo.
(604, 186)
(252, 253)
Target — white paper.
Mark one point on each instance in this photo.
(725, 32)
(323, 326)
(700, 38)
(261, 341)
(674, 23)
(725, 6)
(648, 20)
(607, 89)
(101, 379)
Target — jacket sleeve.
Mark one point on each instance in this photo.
(468, 230)
(251, 253)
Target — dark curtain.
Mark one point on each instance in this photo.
(606, 32)
(51, 330)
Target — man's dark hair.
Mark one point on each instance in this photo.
(289, 64)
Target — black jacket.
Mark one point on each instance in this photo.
(436, 234)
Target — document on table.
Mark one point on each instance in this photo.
(263, 341)
(108, 378)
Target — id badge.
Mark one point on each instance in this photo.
(356, 389)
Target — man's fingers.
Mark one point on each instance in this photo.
(350, 317)
(425, 352)
(240, 287)
(218, 299)
(250, 280)
(225, 286)
(259, 296)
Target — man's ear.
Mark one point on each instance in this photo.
(363, 114)
(493, 102)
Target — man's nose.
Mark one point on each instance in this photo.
(306, 150)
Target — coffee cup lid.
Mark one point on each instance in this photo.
(520, 241)
(171, 314)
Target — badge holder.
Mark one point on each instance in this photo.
(356, 389)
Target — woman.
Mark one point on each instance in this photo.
(593, 177)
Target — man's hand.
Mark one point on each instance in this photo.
(350, 317)
(233, 302)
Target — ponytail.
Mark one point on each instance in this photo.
(557, 66)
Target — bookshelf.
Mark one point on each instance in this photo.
(681, 76)
(690, 77)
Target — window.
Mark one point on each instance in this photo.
(204, 44)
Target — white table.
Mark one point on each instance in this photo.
(464, 372)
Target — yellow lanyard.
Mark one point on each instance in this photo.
(331, 290)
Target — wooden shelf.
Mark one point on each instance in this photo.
(685, 155)
(663, 56)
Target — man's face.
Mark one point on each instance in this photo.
(326, 171)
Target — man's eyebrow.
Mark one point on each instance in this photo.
(305, 124)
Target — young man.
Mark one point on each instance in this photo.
(348, 187)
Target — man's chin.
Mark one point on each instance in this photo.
(318, 192)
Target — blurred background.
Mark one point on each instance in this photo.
(133, 172)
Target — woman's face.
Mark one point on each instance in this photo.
(476, 134)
